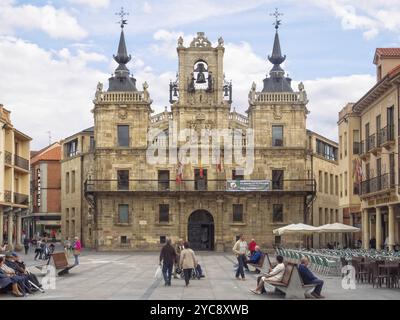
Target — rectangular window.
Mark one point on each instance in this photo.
(163, 213)
(391, 169)
(356, 142)
(345, 184)
(336, 185)
(92, 144)
(277, 136)
(331, 183)
(73, 181)
(123, 213)
(320, 181)
(326, 183)
(237, 174)
(341, 185)
(278, 240)
(73, 212)
(200, 179)
(123, 179)
(124, 239)
(163, 239)
(345, 144)
(237, 213)
(277, 179)
(163, 180)
(327, 151)
(67, 182)
(123, 136)
(277, 213)
(390, 123)
(367, 148)
(71, 148)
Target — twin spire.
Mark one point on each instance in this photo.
(122, 81)
(277, 82)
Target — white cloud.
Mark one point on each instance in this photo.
(329, 95)
(47, 90)
(92, 3)
(57, 23)
(147, 8)
(370, 16)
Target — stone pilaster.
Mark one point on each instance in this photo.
(378, 225)
(391, 227)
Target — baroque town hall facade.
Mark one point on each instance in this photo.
(134, 204)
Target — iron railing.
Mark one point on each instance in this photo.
(21, 162)
(386, 134)
(20, 198)
(379, 183)
(371, 142)
(289, 185)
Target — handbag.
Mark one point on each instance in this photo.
(158, 273)
(77, 252)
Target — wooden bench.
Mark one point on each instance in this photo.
(260, 265)
(292, 284)
(61, 263)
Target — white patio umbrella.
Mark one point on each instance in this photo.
(337, 228)
(298, 228)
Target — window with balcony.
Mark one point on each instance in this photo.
(237, 213)
(326, 150)
(123, 213)
(356, 142)
(163, 213)
(277, 179)
(123, 136)
(277, 213)
(237, 174)
(123, 180)
(200, 179)
(277, 136)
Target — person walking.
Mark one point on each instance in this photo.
(26, 244)
(240, 249)
(178, 249)
(168, 258)
(187, 262)
(77, 247)
(67, 247)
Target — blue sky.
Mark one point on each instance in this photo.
(53, 53)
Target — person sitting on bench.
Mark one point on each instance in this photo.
(275, 275)
(22, 280)
(14, 262)
(309, 278)
(7, 280)
(255, 258)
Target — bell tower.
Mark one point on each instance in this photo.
(200, 88)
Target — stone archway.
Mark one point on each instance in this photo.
(201, 230)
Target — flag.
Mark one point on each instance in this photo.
(219, 164)
(201, 171)
(179, 172)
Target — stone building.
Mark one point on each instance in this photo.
(76, 161)
(349, 177)
(14, 180)
(45, 211)
(325, 168)
(376, 120)
(135, 203)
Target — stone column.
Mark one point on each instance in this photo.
(19, 228)
(1, 226)
(10, 228)
(378, 225)
(365, 229)
(182, 223)
(391, 227)
(219, 237)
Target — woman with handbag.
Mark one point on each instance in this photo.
(77, 250)
(187, 262)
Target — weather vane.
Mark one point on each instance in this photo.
(277, 14)
(122, 14)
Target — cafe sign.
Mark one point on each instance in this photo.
(248, 185)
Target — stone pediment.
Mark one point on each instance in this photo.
(200, 41)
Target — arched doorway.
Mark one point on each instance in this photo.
(201, 230)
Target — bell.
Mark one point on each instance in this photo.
(226, 91)
(175, 92)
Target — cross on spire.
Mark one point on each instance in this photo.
(122, 14)
(277, 22)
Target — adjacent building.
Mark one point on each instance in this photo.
(45, 211)
(370, 130)
(76, 164)
(325, 169)
(14, 179)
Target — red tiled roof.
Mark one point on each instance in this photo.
(52, 152)
(386, 52)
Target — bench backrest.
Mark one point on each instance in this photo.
(288, 273)
(60, 260)
(262, 259)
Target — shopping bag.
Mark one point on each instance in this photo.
(158, 273)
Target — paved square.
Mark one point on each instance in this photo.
(131, 276)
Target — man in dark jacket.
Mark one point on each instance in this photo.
(168, 258)
(309, 278)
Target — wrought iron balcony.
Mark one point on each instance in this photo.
(371, 142)
(201, 185)
(21, 162)
(357, 147)
(20, 198)
(380, 183)
(385, 135)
